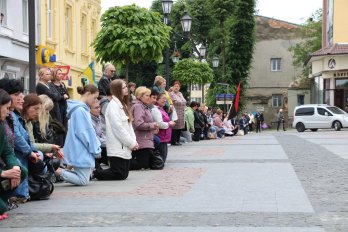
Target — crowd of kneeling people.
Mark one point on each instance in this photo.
(127, 129)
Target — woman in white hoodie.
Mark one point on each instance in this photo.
(120, 137)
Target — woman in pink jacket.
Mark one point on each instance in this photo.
(164, 134)
(144, 128)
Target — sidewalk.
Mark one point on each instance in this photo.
(242, 184)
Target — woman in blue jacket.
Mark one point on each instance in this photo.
(20, 141)
(81, 145)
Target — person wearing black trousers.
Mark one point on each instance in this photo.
(258, 122)
(199, 124)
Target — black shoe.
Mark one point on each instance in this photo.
(177, 144)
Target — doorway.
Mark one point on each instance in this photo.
(340, 99)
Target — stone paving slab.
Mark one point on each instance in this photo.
(181, 219)
(258, 152)
(234, 152)
(261, 188)
(329, 141)
(340, 150)
(176, 229)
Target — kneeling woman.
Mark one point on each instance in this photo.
(120, 137)
(144, 127)
(11, 173)
(81, 145)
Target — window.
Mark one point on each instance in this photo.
(277, 100)
(10, 75)
(335, 110)
(196, 87)
(83, 33)
(197, 99)
(3, 12)
(323, 112)
(306, 111)
(49, 19)
(25, 16)
(275, 64)
(68, 27)
(300, 100)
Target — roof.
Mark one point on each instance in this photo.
(334, 49)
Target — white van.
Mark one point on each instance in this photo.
(319, 116)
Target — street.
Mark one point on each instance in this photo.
(266, 182)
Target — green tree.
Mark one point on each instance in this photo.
(241, 43)
(312, 34)
(190, 71)
(131, 34)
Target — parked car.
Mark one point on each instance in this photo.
(319, 116)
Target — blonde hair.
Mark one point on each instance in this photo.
(54, 74)
(140, 91)
(47, 104)
(42, 71)
(159, 80)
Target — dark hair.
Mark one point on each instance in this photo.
(87, 88)
(4, 97)
(154, 93)
(30, 100)
(116, 90)
(130, 84)
(176, 83)
(11, 86)
(193, 104)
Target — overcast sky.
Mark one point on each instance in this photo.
(294, 11)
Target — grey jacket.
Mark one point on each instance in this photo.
(98, 130)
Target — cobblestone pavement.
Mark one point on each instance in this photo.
(267, 182)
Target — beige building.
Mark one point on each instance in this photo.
(69, 27)
(329, 65)
(272, 70)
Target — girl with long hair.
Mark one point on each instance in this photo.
(11, 172)
(120, 136)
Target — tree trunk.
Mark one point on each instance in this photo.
(127, 68)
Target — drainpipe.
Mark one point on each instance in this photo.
(32, 47)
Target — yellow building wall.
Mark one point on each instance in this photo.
(340, 21)
(70, 51)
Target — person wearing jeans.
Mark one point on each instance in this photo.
(82, 145)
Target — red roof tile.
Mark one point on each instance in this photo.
(334, 49)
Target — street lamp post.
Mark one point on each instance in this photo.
(202, 51)
(215, 62)
(186, 22)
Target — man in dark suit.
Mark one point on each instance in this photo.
(105, 80)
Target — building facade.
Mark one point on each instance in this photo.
(272, 70)
(69, 27)
(14, 38)
(329, 65)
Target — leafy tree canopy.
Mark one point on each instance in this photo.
(312, 34)
(190, 71)
(131, 34)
